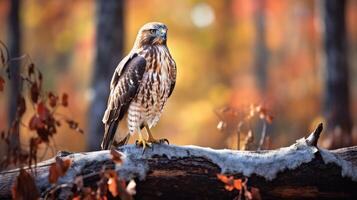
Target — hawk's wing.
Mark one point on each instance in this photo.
(123, 88)
(173, 78)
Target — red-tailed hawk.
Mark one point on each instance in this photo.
(140, 86)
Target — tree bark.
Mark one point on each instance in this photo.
(222, 33)
(261, 51)
(14, 40)
(337, 94)
(301, 171)
(110, 45)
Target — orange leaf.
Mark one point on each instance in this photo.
(237, 183)
(230, 182)
(223, 178)
(113, 184)
(58, 169)
(64, 164)
(24, 187)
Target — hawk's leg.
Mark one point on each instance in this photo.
(141, 141)
(151, 139)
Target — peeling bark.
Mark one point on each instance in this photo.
(173, 172)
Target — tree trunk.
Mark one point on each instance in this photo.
(110, 44)
(14, 41)
(301, 171)
(261, 52)
(224, 23)
(337, 94)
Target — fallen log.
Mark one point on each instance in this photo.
(300, 171)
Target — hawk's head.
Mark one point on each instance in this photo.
(153, 33)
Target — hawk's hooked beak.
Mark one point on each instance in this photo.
(162, 33)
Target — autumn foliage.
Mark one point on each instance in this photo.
(32, 99)
(245, 192)
(108, 186)
(44, 123)
(58, 169)
(242, 123)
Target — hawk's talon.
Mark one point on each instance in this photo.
(143, 143)
(164, 140)
(159, 141)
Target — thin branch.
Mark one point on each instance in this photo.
(262, 138)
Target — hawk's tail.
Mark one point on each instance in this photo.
(122, 142)
(109, 133)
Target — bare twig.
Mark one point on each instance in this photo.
(262, 138)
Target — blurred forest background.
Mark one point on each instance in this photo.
(296, 58)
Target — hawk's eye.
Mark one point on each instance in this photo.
(152, 31)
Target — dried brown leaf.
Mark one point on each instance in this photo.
(24, 187)
(58, 123)
(31, 69)
(65, 99)
(117, 156)
(44, 134)
(36, 123)
(53, 173)
(43, 111)
(35, 92)
(21, 106)
(74, 125)
(40, 79)
(52, 99)
(58, 169)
